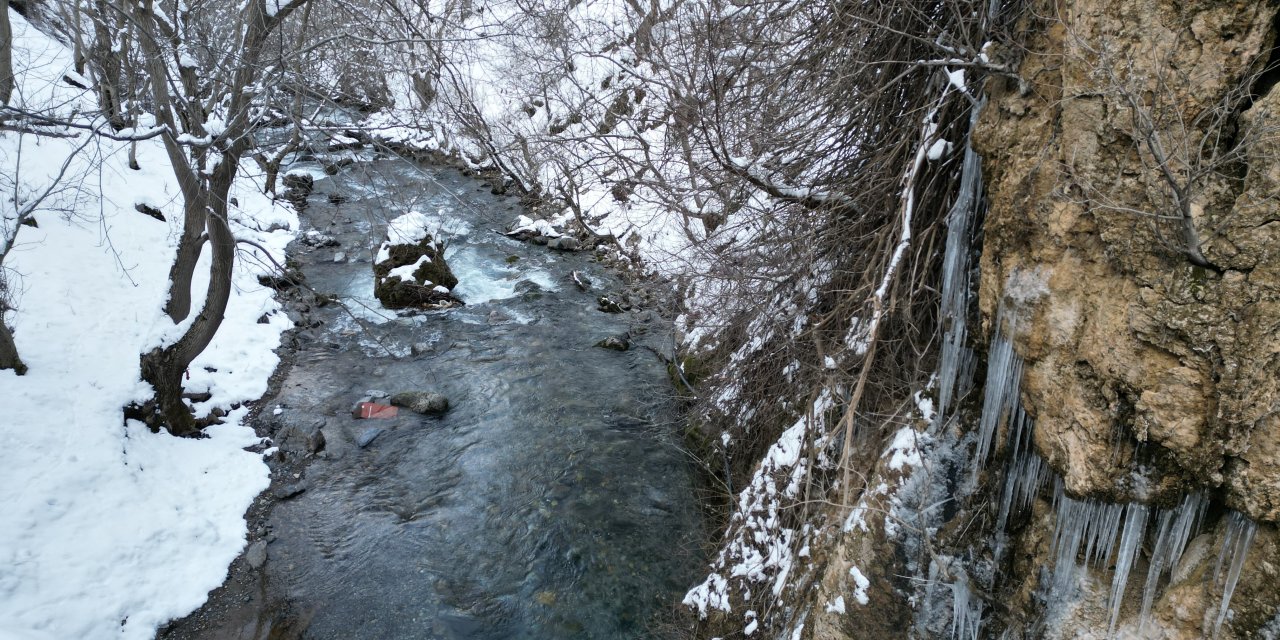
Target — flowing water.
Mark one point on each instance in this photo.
(552, 501)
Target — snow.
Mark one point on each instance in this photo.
(939, 149)
(405, 272)
(836, 606)
(525, 224)
(860, 584)
(759, 546)
(409, 228)
(905, 450)
(111, 530)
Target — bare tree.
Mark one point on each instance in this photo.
(207, 117)
(6, 57)
(1184, 156)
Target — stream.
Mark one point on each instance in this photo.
(552, 501)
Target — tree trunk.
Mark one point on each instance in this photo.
(164, 368)
(109, 65)
(9, 351)
(184, 264)
(6, 56)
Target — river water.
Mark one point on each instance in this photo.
(552, 501)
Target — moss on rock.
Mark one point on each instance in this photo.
(421, 291)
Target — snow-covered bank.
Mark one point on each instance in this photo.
(110, 530)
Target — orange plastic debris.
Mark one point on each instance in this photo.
(377, 411)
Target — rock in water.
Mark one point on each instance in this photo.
(610, 305)
(425, 402)
(564, 243)
(367, 436)
(299, 180)
(410, 270)
(617, 343)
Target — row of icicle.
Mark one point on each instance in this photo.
(1088, 531)
(1105, 533)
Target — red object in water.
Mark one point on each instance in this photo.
(375, 410)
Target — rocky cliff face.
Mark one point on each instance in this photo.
(1131, 254)
(1147, 373)
(1116, 470)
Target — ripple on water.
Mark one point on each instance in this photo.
(550, 502)
(482, 278)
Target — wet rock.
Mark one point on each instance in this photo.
(313, 238)
(612, 304)
(539, 239)
(564, 243)
(427, 403)
(286, 491)
(617, 343)
(367, 436)
(148, 210)
(339, 257)
(414, 276)
(523, 235)
(307, 438)
(281, 281)
(299, 181)
(256, 555)
(332, 168)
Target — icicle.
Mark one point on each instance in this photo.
(954, 307)
(1083, 525)
(1024, 475)
(1004, 378)
(1173, 531)
(1239, 537)
(966, 611)
(1135, 529)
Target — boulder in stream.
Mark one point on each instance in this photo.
(617, 343)
(410, 270)
(367, 436)
(428, 403)
(612, 304)
(565, 243)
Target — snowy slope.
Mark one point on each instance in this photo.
(109, 530)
